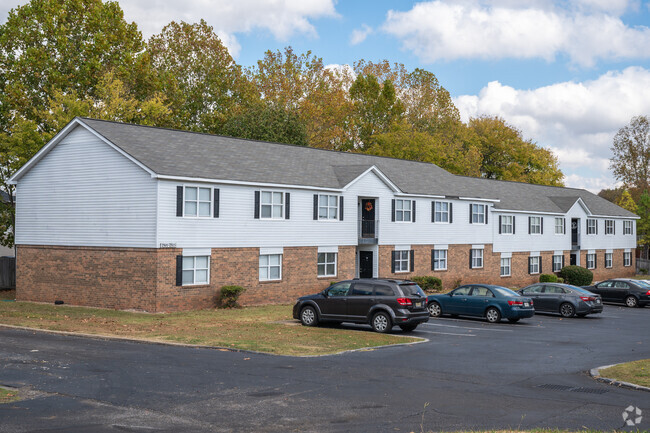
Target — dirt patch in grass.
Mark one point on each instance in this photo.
(252, 328)
(637, 372)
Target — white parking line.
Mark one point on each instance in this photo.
(446, 333)
(466, 327)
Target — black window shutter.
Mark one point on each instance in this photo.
(179, 270)
(412, 254)
(451, 213)
(432, 259)
(614, 227)
(470, 259)
(499, 224)
(392, 261)
(596, 221)
(562, 260)
(486, 214)
(563, 231)
(413, 211)
(393, 211)
(530, 265)
(530, 223)
(541, 224)
(595, 260)
(257, 205)
(179, 201)
(540, 264)
(513, 225)
(433, 211)
(470, 213)
(215, 212)
(341, 209)
(315, 207)
(287, 205)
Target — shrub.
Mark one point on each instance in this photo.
(560, 280)
(229, 295)
(576, 275)
(548, 278)
(429, 284)
(643, 271)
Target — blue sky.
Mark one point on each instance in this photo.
(568, 74)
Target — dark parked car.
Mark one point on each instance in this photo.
(378, 302)
(633, 293)
(483, 300)
(565, 299)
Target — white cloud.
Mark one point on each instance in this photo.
(590, 30)
(360, 35)
(281, 18)
(593, 184)
(577, 121)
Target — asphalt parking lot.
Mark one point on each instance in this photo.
(470, 375)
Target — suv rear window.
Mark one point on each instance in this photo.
(411, 289)
(362, 289)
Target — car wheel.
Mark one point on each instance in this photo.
(408, 328)
(492, 315)
(514, 320)
(381, 322)
(434, 309)
(631, 301)
(308, 316)
(567, 310)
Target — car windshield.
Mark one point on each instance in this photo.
(643, 284)
(411, 289)
(505, 292)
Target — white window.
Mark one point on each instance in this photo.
(591, 261)
(609, 227)
(557, 263)
(506, 225)
(327, 264)
(608, 260)
(440, 212)
(477, 258)
(198, 202)
(627, 259)
(271, 205)
(592, 228)
(477, 215)
(505, 266)
(533, 265)
(328, 207)
(402, 261)
(403, 210)
(627, 227)
(270, 267)
(196, 270)
(535, 225)
(439, 260)
(559, 226)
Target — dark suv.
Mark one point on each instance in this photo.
(378, 302)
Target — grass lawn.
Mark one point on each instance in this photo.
(7, 396)
(637, 372)
(251, 328)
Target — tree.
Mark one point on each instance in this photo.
(643, 224)
(268, 123)
(631, 148)
(627, 202)
(613, 194)
(197, 75)
(507, 156)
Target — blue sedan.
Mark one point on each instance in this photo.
(483, 300)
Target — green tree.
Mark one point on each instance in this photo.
(268, 123)
(643, 224)
(506, 155)
(631, 148)
(613, 194)
(627, 202)
(197, 75)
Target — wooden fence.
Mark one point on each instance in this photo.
(7, 272)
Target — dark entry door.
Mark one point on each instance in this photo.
(575, 230)
(368, 218)
(573, 259)
(365, 264)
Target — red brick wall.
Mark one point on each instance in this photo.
(616, 271)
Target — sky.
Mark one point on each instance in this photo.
(568, 74)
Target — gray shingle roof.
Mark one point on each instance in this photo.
(190, 154)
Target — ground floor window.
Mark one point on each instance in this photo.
(327, 264)
(534, 265)
(196, 270)
(476, 259)
(591, 261)
(505, 266)
(270, 267)
(401, 261)
(608, 260)
(439, 260)
(627, 259)
(558, 262)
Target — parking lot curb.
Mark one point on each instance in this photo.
(595, 373)
(202, 346)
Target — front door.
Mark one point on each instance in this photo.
(365, 264)
(368, 218)
(573, 260)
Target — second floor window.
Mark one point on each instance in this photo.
(403, 210)
(477, 214)
(507, 225)
(535, 226)
(592, 226)
(328, 207)
(627, 228)
(560, 226)
(441, 212)
(272, 205)
(609, 227)
(198, 201)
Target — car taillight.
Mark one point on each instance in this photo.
(404, 301)
(587, 298)
(648, 293)
(515, 303)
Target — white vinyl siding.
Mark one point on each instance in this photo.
(327, 264)
(270, 268)
(196, 270)
(505, 266)
(85, 193)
